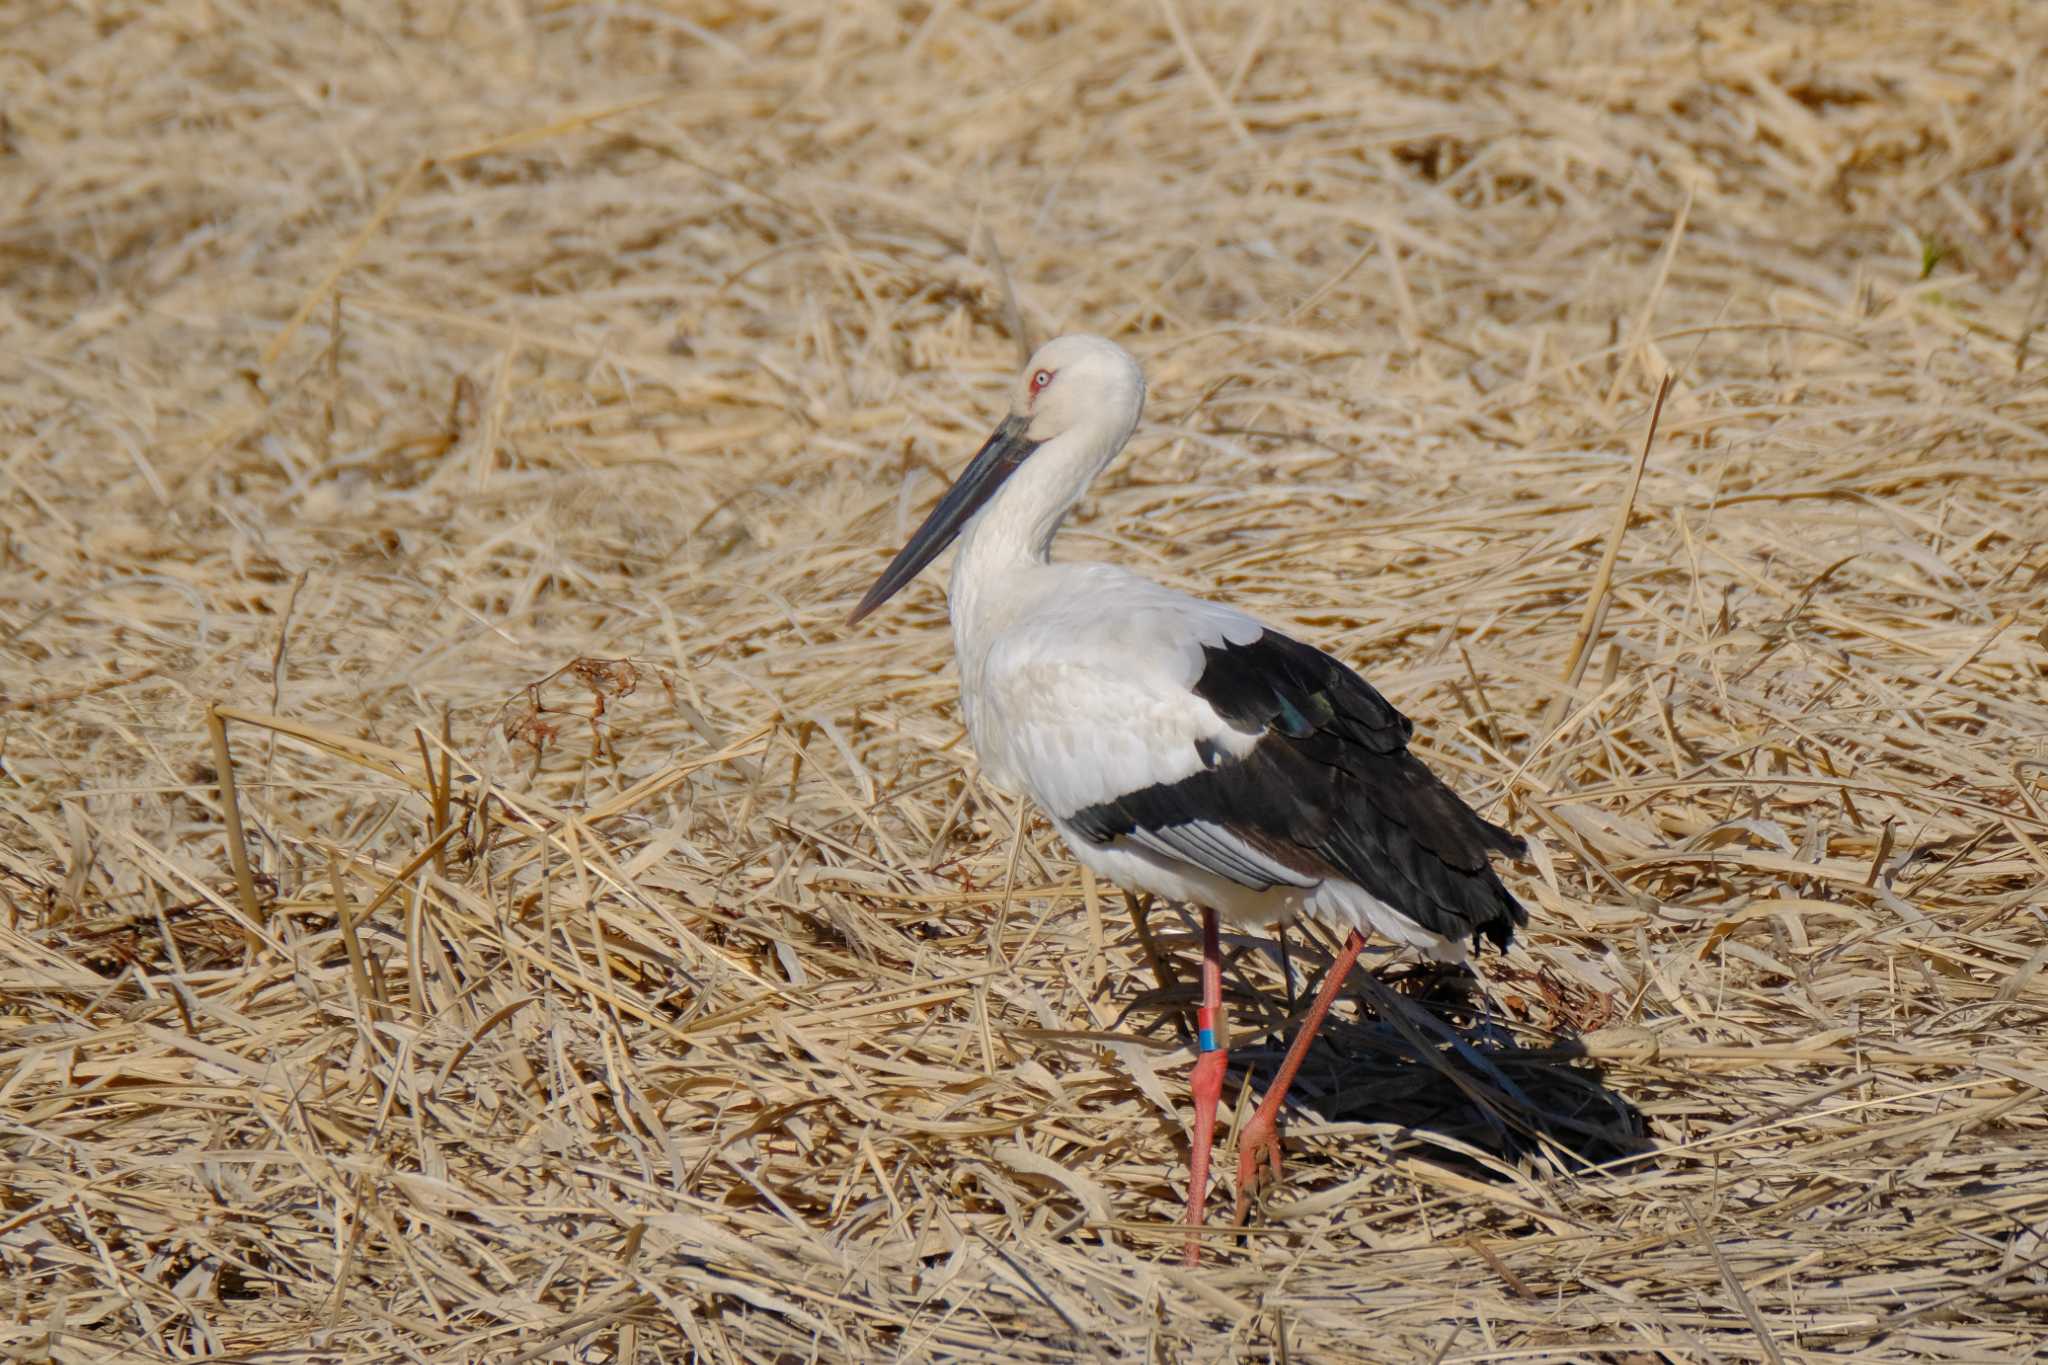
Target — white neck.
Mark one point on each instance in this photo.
(1013, 532)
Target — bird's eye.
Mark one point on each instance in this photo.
(1039, 381)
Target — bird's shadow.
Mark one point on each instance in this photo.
(1431, 1056)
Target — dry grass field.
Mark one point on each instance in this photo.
(439, 444)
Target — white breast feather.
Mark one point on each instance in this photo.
(1091, 695)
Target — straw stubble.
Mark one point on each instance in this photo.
(441, 443)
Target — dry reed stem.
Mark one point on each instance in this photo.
(374, 369)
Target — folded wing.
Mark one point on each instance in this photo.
(1269, 763)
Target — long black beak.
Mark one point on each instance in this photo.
(1000, 455)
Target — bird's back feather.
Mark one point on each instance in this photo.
(1326, 788)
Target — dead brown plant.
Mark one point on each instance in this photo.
(361, 364)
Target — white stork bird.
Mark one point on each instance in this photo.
(1181, 747)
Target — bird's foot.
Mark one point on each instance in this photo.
(1207, 1085)
(1258, 1160)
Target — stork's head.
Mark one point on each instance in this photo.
(1075, 382)
(1081, 396)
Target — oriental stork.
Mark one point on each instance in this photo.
(1181, 747)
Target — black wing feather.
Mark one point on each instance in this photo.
(1330, 789)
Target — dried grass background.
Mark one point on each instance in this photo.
(496, 407)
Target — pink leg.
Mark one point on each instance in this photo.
(1260, 1139)
(1207, 1081)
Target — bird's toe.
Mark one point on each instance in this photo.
(1258, 1162)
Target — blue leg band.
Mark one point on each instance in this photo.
(1207, 1039)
